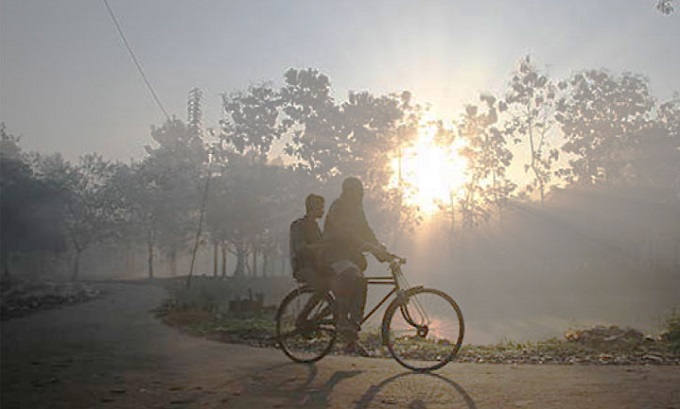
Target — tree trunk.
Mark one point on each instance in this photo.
(76, 265)
(265, 262)
(239, 271)
(224, 260)
(254, 261)
(215, 258)
(173, 263)
(150, 259)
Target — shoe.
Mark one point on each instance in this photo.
(355, 348)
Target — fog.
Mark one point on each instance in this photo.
(544, 195)
(585, 259)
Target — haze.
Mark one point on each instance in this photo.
(68, 84)
(588, 233)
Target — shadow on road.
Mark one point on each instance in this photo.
(306, 386)
(295, 385)
(416, 391)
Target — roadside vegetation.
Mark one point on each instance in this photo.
(20, 297)
(597, 345)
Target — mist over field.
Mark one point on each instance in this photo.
(585, 259)
(541, 189)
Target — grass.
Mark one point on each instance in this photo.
(260, 329)
(256, 329)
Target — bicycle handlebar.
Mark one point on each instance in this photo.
(397, 259)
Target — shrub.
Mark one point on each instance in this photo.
(672, 330)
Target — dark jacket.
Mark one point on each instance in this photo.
(345, 231)
(303, 233)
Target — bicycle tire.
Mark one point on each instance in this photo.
(437, 338)
(310, 340)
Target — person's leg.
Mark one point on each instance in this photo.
(344, 287)
(358, 300)
(310, 277)
(352, 313)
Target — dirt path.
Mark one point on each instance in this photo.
(112, 353)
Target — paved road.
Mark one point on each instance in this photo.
(112, 353)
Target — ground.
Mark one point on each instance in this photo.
(113, 353)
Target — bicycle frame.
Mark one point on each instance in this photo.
(393, 280)
(395, 269)
(318, 319)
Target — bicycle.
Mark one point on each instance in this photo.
(424, 335)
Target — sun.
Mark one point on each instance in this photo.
(428, 173)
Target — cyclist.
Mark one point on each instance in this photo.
(347, 235)
(305, 242)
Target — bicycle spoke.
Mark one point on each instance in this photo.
(305, 325)
(425, 331)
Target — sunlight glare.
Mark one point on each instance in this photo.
(429, 172)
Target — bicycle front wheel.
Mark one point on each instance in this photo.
(423, 329)
(305, 325)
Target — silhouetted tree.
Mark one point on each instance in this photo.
(32, 209)
(530, 101)
(161, 193)
(252, 119)
(602, 116)
(665, 6)
(90, 211)
(487, 187)
(250, 202)
(313, 121)
(656, 156)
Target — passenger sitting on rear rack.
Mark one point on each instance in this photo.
(305, 245)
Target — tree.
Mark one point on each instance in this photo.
(252, 121)
(656, 156)
(357, 137)
(665, 6)
(375, 129)
(601, 118)
(250, 203)
(90, 211)
(313, 120)
(530, 101)
(488, 157)
(172, 174)
(161, 194)
(31, 208)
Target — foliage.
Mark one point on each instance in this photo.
(602, 117)
(530, 101)
(90, 213)
(31, 208)
(600, 127)
(672, 330)
(252, 119)
(250, 203)
(665, 6)
(313, 121)
(488, 157)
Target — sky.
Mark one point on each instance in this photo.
(67, 83)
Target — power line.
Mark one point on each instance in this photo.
(139, 66)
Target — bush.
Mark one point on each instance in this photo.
(672, 331)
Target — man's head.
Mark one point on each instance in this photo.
(314, 204)
(353, 189)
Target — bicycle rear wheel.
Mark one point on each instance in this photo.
(305, 325)
(423, 329)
